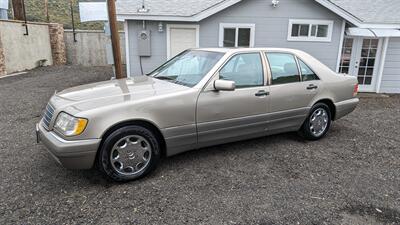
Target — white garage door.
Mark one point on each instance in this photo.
(181, 37)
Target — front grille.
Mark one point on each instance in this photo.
(48, 115)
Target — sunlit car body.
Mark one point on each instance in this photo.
(200, 98)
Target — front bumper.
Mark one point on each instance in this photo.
(78, 154)
(345, 107)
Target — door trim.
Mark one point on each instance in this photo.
(382, 64)
(342, 36)
(183, 26)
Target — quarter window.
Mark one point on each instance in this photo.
(306, 73)
(283, 68)
(245, 69)
(310, 30)
(236, 35)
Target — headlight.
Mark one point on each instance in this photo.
(70, 125)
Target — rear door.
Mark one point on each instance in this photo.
(224, 116)
(291, 95)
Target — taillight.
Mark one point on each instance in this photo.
(355, 91)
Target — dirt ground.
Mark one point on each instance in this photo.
(350, 177)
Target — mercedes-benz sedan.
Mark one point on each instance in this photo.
(201, 97)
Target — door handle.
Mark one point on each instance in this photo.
(261, 93)
(312, 86)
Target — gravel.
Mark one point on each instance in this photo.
(349, 177)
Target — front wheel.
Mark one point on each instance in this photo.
(129, 153)
(317, 123)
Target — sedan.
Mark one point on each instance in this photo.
(200, 98)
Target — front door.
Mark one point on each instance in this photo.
(181, 37)
(224, 116)
(360, 58)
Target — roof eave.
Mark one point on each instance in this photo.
(194, 18)
(354, 20)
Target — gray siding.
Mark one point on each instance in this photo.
(158, 47)
(271, 30)
(391, 72)
(272, 26)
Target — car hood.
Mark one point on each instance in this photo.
(106, 93)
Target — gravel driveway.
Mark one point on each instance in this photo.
(350, 177)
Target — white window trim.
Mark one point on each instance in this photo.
(222, 26)
(342, 36)
(183, 26)
(310, 22)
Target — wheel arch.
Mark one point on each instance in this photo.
(138, 122)
(330, 104)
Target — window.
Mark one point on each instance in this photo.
(245, 69)
(306, 73)
(236, 35)
(310, 30)
(347, 50)
(283, 68)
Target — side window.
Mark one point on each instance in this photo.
(306, 73)
(283, 68)
(245, 69)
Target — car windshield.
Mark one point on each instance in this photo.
(187, 68)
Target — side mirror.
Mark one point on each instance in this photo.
(224, 85)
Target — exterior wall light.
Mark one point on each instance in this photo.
(160, 27)
(143, 9)
(275, 3)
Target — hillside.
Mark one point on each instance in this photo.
(59, 12)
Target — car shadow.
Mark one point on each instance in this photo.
(268, 144)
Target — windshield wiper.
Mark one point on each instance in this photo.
(164, 78)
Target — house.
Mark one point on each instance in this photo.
(358, 37)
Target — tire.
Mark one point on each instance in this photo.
(129, 153)
(321, 114)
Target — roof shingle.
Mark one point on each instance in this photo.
(367, 11)
(184, 8)
(372, 11)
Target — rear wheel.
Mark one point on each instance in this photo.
(129, 153)
(317, 123)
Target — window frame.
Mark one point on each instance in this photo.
(270, 71)
(298, 60)
(263, 64)
(310, 38)
(236, 26)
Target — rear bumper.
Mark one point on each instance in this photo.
(71, 154)
(345, 107)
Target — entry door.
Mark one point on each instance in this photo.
(360, 58)
(181, 37)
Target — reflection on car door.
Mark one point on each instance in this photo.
(290, 94)
(224, 116)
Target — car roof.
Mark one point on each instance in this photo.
(234, 50)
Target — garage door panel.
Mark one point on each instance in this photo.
(182, 39)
